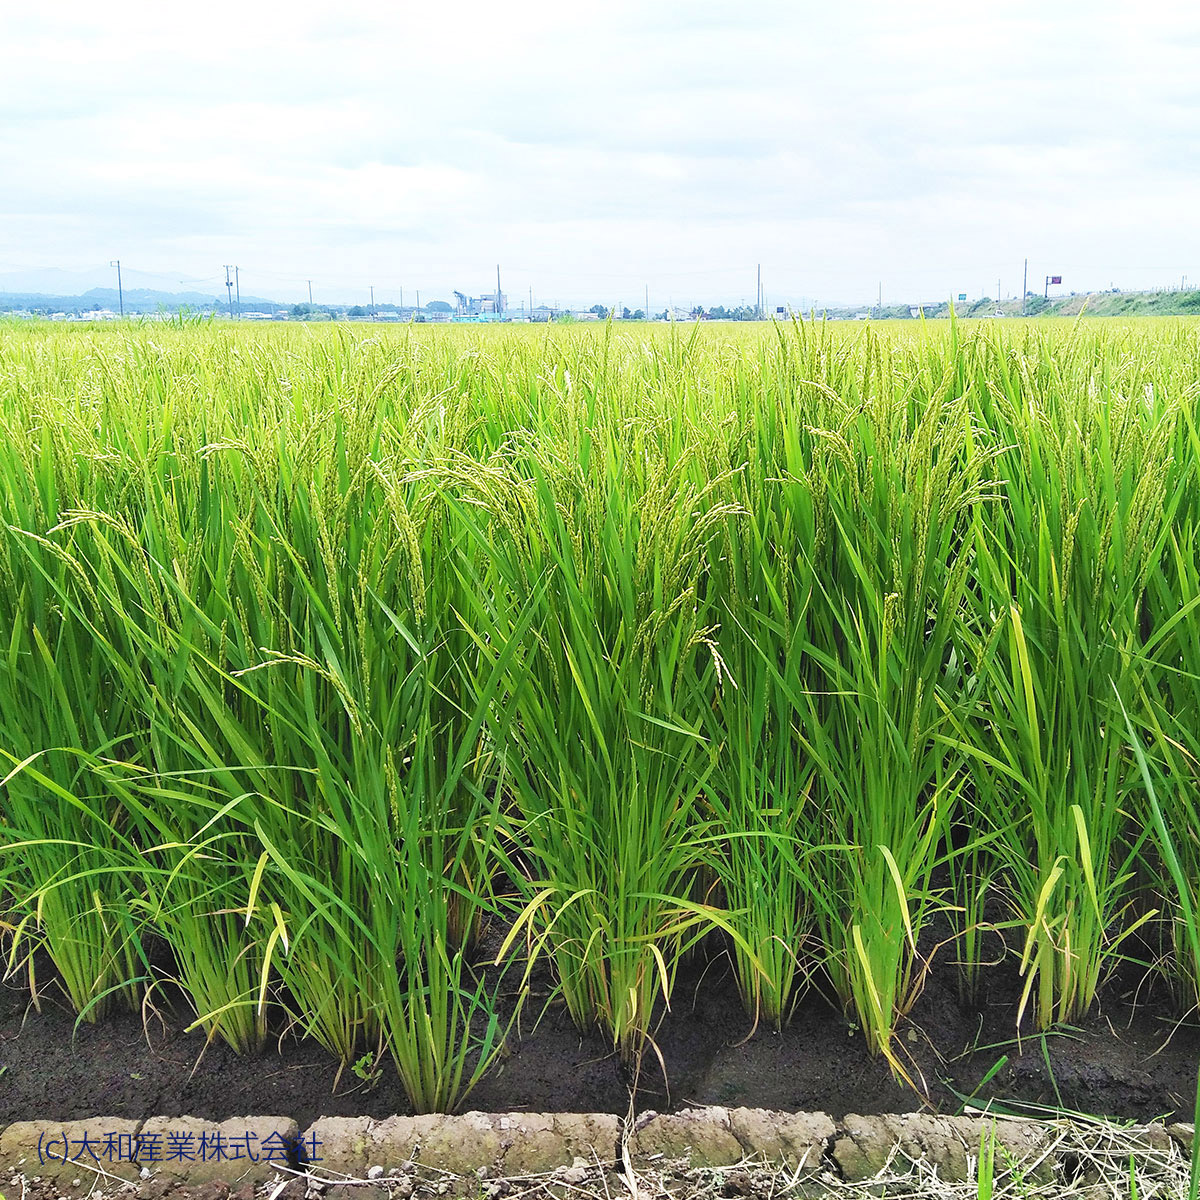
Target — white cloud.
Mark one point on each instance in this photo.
(593, 148)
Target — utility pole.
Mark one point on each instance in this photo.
(418, 312)
(1024, 286)
(879, 306)
(116, 262)
(372, 299)
(531, 301)
(758, 294)
(646, 310)
(997, 291)
(499, 307)
(309, 293)
(402, 302)
(229, 287)
(237, 288)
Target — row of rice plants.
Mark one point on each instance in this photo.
(322, 650)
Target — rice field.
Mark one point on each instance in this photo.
(832, 648)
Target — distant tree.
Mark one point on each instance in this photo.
(312, 312)
(599, 310)
(638, 315)
(438, 306)
(356, 310)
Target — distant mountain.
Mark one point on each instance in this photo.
(148, 298)
(137, 300)
(51, 281)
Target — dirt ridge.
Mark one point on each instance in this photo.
(402, 1153)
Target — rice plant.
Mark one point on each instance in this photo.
(906, 485)
(1168, 709)
(763, 790)
(1089, 498)
(1170, 835)
(324, 654)
(589, 587)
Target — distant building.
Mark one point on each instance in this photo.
(480, 306)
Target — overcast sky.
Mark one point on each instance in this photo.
(593, 149)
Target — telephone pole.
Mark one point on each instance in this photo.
(1024, 286)
(237, 288)
(309, 282)
(758, 294)
(372, 299)
(646, 310)
(499, 301)
(229, 287)
(116, 262)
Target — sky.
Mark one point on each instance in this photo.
(597, 150)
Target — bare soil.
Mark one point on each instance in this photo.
(1129, 1059)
